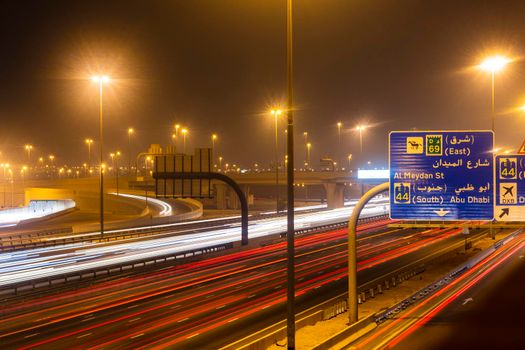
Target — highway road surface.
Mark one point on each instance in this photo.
(482, 309)
(190, 305)
(28, 265)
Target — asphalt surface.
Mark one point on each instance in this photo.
(489, 314)
(187, 306)
(483, 309)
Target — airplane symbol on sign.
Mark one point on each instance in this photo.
(508, 191)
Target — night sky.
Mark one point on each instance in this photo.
(220, 65)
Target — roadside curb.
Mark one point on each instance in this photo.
(349, 334)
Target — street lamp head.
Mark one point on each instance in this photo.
(184, 131)
(276, 112)
(214, 137)
(339, 124)
(131, 131)
(100, 79)
(360, 127)
(494, 64)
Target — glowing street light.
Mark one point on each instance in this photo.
(308, 150)
(361, 128)
(114, 159)
(339, 125)
(89, 142)
(305, 135)
(213, 139)
(276, 113)
(101, 80)
(28, 148)
(184, 132)
(131, 131)
(493, 65)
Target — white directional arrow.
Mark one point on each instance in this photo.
(441, 212)
(467, 301)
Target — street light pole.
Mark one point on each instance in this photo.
(290, 236)
(89, 142)
(361, 128)
(492, 102)
(276, 113)
(308, 150)
(117, 155)
(177, 127)
(213, 139)
(493, 65)
(184, 132)
(130, 132)
(338, 153)
(101, 80)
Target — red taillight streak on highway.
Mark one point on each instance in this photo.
(403, 250)
(321, 260)
(433, 296)
(135, 314)
(251, 254)
(171, 320)
(257, 305)
(157, 307)
(318, 237)
(422, 321)
(337, 277)
(337, 274)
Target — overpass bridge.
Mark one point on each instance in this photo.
(334, 183)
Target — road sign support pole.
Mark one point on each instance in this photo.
(352, 248)
(221, 177)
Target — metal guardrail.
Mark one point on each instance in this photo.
(108, 270)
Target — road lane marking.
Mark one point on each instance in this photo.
(83, 335)
(136, 336)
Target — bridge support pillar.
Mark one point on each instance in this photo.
(334, 195)
(221, 198)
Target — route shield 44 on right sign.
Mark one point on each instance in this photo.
(510, 188)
